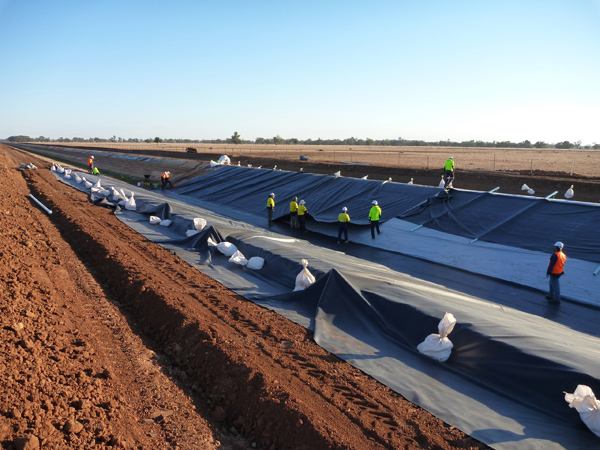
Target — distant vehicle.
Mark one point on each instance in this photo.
(191, 150)
(303, 158)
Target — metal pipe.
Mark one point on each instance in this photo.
(49, 211)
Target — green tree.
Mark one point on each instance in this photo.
(157, 140)
(235, 138)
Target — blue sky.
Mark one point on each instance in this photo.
(425, 69)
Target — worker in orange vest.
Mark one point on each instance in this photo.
(165, 179)
(555, 271)
(90, 163)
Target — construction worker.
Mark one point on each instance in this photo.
(343, 221)
(95, 171)
(270, 207)
(555, 271)
(302, 210)
(90, 163)
(449, 166)
(294, 213)
(165, 180)
(374, 216)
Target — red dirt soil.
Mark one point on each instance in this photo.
(166, 356)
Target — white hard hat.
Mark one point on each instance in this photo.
(344, 209)
(272, 194)
(302, 202)
(452, 157)
(92, 156)
(374, 202)
(559, 244)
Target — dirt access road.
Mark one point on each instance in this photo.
(110, 340)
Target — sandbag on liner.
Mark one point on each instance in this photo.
(199, 223)
(154, 220)
(130, 204)
(304, 279)
(588, 407)
(227, 248)
(256, 263)
(438, 346)
(238, 258)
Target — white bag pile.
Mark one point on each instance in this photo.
(199, 223)
(226, 248)
(238, 258)
(304, 279)
(438, 346)
(130, 203)
(256, 263)
(588, 407)
(224, 160)
(154, 220)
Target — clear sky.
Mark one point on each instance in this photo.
(421, 69)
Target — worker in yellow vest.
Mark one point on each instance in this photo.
(555, 271)
(343, 221)
(294, 213)
(374, 217)
(302, 212)
(270, 207)
(449, 166)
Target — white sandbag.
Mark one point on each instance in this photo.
(199, 223)
(525, 187)
(337, 174)
(165, 223)
(227, 248)
(53, 168)
(588, 407)
(213, 163)
(78, 179)
(238, 258)
(530, 191)
(570, 193)
(67, 176)
(211, 243)
(438, 346)
(98, 185)
(130, 204)
(68, 172)
(190, 233)
(101, 192)
(224, 159)
(60, 169)
(88, 184)
(304, 279)
(256, 263)
(442, 183)
(154, 220)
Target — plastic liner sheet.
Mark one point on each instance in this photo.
(529, 223)
(503, 383)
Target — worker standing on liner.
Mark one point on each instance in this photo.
(374, 217)
(555, 271)
(343, 221)
(294, 213)
(302, 210)
(90, 163)
(165, 180)
(449, 166)
(270, 207)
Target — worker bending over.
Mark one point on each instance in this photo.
(270, 207)
(302, 211)
(90, 163)
(165, 180)
(374, 217)
(555, 271)
(343, 221)
(294, 213)
(449, 166)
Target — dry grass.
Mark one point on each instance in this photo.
(580, 162)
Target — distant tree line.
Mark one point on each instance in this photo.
(236, 139)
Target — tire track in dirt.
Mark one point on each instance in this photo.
(256, 371)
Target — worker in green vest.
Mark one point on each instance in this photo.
(343, 221)
(270, 207)
(449, 166)
(374, 217)
(302, 212)
(294, 213)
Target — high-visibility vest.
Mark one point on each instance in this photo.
(375, 213)
(293, 206)
(90, 162)
(344, 218)
(559, 266)
(302, 210)
(270, 203)
(449, 165)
